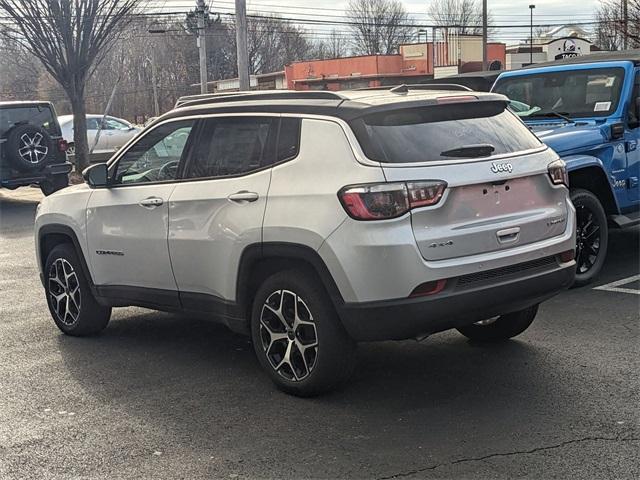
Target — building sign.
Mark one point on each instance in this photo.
(567, 48)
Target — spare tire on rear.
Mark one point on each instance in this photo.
(28, 147)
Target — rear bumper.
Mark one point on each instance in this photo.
(31, 178)
(458, 305)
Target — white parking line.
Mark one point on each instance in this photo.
(615, 286)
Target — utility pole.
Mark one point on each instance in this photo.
(154, 79)
(241, 45)
(201, 12)
(625, 25)
(485, 62)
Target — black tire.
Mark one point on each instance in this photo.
(91, 317)
(319, 369)
(53, 184)
(503, 328)
(28, 147)
(591, 237)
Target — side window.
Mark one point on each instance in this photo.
(156, 156)
(113, 124)
(233, 146)
(288, 138)
(92, 123)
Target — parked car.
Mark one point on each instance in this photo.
(32, 150)
(588, 110)
(314, 224)
(114, 134)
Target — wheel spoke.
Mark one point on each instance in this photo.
(278, 315)
(295, 359)
(64, 291)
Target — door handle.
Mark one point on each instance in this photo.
(243, 197)
(151, 202)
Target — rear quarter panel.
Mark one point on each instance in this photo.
(303, 205)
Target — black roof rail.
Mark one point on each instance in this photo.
(404, 88)
(265, 95)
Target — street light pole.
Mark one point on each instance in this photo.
(202, 44)
(484, 35)
(531, 7)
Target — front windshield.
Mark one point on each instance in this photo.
(568, 93)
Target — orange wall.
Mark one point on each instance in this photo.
(343, 67)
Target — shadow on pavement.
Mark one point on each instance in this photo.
(18, 211)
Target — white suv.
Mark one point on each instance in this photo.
(315, 220)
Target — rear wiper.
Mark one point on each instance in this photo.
(470, 151)
(553, 113)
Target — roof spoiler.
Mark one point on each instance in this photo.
(404, 88)
(207, 99)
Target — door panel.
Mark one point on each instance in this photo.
(213, 217)
(128, 223)
(208, 230)
(127, 240)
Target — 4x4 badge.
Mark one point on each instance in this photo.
(501, 167)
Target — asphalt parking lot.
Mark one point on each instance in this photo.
(164, 396)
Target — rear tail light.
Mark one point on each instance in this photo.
(62, 145)
(383, 201)
(558, 172)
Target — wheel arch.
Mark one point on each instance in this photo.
(259, 261)
(592, 177)
(52, 235)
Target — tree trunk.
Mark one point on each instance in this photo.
(80, 132)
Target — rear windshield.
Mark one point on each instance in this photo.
(38, 115)
(444, 132)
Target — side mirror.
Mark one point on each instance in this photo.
(96, 175)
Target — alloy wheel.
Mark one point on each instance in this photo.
(32, 150)
(64, 291)
(288, 334)
(587, 239)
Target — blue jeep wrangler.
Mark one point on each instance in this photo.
(588, 110)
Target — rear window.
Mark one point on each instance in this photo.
(445, 132)
(38, 115)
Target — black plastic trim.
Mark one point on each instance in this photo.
(59, 229)
(415, 317)
(125, 295)
(255, 253)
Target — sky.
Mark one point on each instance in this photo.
(503, 12)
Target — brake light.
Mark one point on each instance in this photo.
(384, 201)
(456, 99)
(63, 145)
(558, 172)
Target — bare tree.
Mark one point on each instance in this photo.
(333, 46)
(464, 15)
(378, 26)
(19, 70)
(610, 30)
(70, 38)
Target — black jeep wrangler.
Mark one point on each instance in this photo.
(32, 150)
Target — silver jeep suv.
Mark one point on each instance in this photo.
(314, 220)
